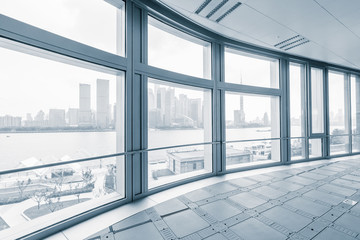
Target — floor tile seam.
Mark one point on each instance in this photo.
(353, 213)
(237, 186)
(234, 220)
(259, 195)
(319, 232)
(344, 186)
(332, 193)
(231, 235)
(235, 204)
(300, 212)
(318, 201)
(192, 236)
(129, 227)
(281, 189)
(273, 225)
(156, 221)
(345, 230)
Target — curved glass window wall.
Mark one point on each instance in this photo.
(85, 128)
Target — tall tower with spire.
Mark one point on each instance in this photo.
(239, 115)
(242, 113)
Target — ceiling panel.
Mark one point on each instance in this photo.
(256, 25)
(189, 5)
(340, 8)
(226, 7)
(209, 7)
(314, 51)
(331, 26)
(223, 30)
(346, 12)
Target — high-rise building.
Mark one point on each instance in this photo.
(151, 99)
(102, 103)
(8, 121)
(196, 111)
(57, 118)
(183, 106)
(73, 116)
(84, 105)
(169, 107)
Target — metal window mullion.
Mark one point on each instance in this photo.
(216, 107)
(233, 87)
(24, 33)
(144, 103)
(307, 105)
(348, 120)
(285, 144)
(222, 106)
(326, 99)
(174, 77)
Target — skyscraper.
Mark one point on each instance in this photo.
(73, 116)
(102, 103)
(57, 117)
(239, 115)
(84, 105)
(196, 111)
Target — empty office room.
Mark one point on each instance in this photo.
(180, 120)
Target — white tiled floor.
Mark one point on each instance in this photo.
(104, 220)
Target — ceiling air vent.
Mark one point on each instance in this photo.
(228, 11)
(292, 42)
(202, 6)
(217, 10)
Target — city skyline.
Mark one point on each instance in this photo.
(83, 116)
(167, 109)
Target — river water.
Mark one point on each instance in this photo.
(49, 147)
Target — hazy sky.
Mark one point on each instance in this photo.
(336, 91)
(92, 22)
(42, 84)
(29, 84)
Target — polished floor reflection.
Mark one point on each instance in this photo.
(311, 202)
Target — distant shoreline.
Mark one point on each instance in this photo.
(56, 131)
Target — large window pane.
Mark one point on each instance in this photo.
(240, 154)
(297, 111)
(177, 115)
(251, 117)
(337, 103)
(298, 148)
(355, 104)
(317, 101)
(339, 144)
(175, 164)
(56, 193)
(355, 143)
(355, 112)
(53, 111)
(93, 22)
(297, 100)
(337, 113)
(249, 69)
(315, 148)
(176, 51)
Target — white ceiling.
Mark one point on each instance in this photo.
(329, 29)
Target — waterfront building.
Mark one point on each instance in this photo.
(73, 117)
(102, 103)
(84, 105)
(57, 118)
